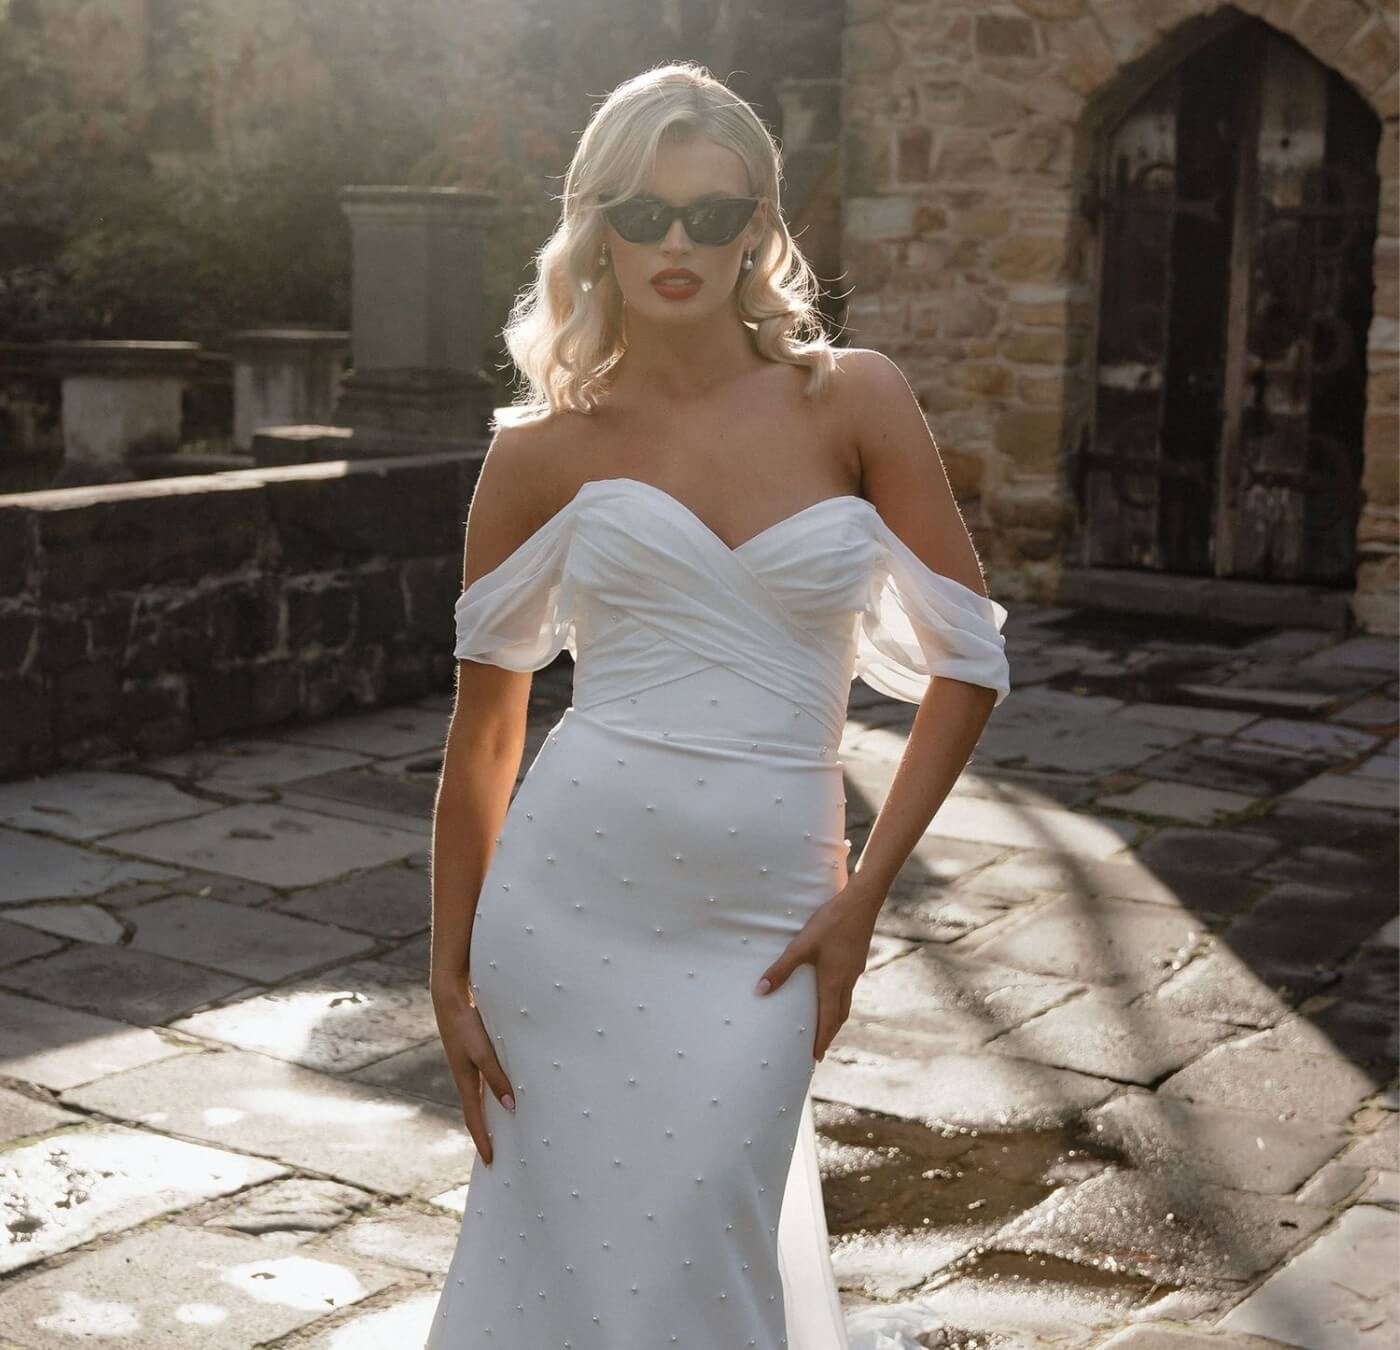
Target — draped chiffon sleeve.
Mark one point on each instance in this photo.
(919, 624)
(520, 614)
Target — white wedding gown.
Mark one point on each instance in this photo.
(657, 1184)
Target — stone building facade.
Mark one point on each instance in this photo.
(1149, 342)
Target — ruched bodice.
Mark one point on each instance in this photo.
(641, 592)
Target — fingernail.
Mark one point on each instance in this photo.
(508, 1102)
(764, 986)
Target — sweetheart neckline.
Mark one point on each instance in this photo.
(733, 549)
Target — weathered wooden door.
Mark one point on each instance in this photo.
(1237, 221)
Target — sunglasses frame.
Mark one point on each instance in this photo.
(685, 214)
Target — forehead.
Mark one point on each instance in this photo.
(689, 167)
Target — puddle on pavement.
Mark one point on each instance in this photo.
(891, 1181)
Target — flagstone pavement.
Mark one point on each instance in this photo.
(1122, 1070)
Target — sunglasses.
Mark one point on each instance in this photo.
(645, 220)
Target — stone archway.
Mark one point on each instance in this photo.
(970, 141)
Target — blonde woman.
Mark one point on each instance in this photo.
(638, 961)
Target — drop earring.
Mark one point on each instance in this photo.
(748, 261)
(586, 284)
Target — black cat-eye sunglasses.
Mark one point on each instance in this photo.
(645, 220)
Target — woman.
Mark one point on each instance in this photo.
(723, 524)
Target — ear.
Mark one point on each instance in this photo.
(758, 225)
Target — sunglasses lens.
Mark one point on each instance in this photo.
(640, 221)
(718, 222)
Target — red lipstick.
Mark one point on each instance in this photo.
(676, 283)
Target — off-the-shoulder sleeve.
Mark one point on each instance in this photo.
(520, 614)
(918, 624)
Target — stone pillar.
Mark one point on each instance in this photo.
(120, 399)
(284, 376)
(418, 324)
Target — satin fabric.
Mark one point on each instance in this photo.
(658, 1183)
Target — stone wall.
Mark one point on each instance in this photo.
(141, 617)
(969, 128)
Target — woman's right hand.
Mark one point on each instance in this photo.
(470, 1057)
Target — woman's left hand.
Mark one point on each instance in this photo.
(836, 940)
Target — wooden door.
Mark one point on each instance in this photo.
(1237, 222)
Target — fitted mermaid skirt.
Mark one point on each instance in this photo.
(658, 856)
(657, 1183)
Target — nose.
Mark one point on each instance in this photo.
(676, 240)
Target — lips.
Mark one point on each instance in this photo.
(675, 277)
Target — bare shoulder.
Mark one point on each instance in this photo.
(902, 469)
(520, 485)
(881, 408)
(866, 381)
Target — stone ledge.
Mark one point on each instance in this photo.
(140, 617)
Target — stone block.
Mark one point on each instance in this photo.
(163, 1282)
(1050, 347)
(380, 603)
(395, 511)
(1096, 1033)
(1280, 1084)
(134, 986)
(96, 540)
(20, 942)
(243, 767)
(1326, 29)
(153, 715)
(1029, 257)
(339, 682)
(913, 145)
(319, 611)
(1171, 1229)
(243, 617)
(431, 586)
(84, 701)
(19, 642)
(986, 378)
(86, 804)
(869, 48)
(386, 733)
(965, 156)
(243, 697)
(1339, 1292)
(1052, 9)
(1226, 1148)
(276, 845)
(63, 640)
(363, 1136)
(1122, 946)
(83, 1184)
(1085, 60)
(15, 550)
(351, 1016)
(880, 217)
(26, 736)
(59, 1048)
(1005, 35)
(1031, 437)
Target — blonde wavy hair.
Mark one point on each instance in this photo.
(563, 338)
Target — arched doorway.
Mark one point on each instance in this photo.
(1237, 209)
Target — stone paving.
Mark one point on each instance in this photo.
(1122, 1071)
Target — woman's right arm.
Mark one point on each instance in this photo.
(481, 760)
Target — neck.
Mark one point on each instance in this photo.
(680, 362)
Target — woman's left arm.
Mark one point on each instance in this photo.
(904, 478)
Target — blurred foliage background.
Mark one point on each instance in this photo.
(171, 167)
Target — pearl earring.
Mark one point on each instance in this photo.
(586, 284)
(748, 261)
